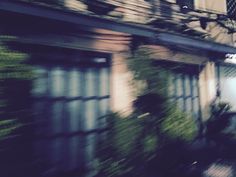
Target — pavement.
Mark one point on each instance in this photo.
(221, 168)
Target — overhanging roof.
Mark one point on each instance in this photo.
(156, 35)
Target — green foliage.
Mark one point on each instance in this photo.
(140, 138)
(12, 65)
(13, 70)
(143, 68)
(150, 144)
(126, 147)
(7, 127)
(177, 125)
(125, 134)
(131, 141)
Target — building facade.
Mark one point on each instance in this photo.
(79, 51)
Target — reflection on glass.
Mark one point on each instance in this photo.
(74, 83)
(90, 115)
(73, 101)
(73, 108)
(90, 88)
(57, 117)
(187, 85)
(179, 85)
(104, 81)
(40, 83)
(57, 81)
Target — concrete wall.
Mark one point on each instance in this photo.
(122, 94)
(207, 88)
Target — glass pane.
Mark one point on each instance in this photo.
(195, 86)
(189, 105)
(104, 81)
(179, 85)
(74, 152)
(73, 109)
(40, 118)
(187, 85)
(74, 83)
(172, 101)
(81, 151)
(196, 107)
(90, 149)
(171, 86)
(180, 103)
(90, 79)
(104, 107)
(57, 117)
(73, 155)
(90, 115)
(40, 83)
(57, 81)
(57, 153)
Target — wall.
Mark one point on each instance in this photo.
(207, 85)
(121, 88)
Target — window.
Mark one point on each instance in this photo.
(231, 9)
(70, 101)
(183, 89)
(185, 4)
(226, 76)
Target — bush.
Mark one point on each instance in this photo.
(178, 125)
(127, 146)
(133, 143)
(154, 136)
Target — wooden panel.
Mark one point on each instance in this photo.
(218, 6)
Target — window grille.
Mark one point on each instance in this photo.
(183, 89)
(231, 9)
(70, 103)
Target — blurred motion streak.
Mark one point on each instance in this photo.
(117, 88)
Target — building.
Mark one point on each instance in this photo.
(79, 51)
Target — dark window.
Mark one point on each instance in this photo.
(231, 9)
(183, 89)
(185, 4)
